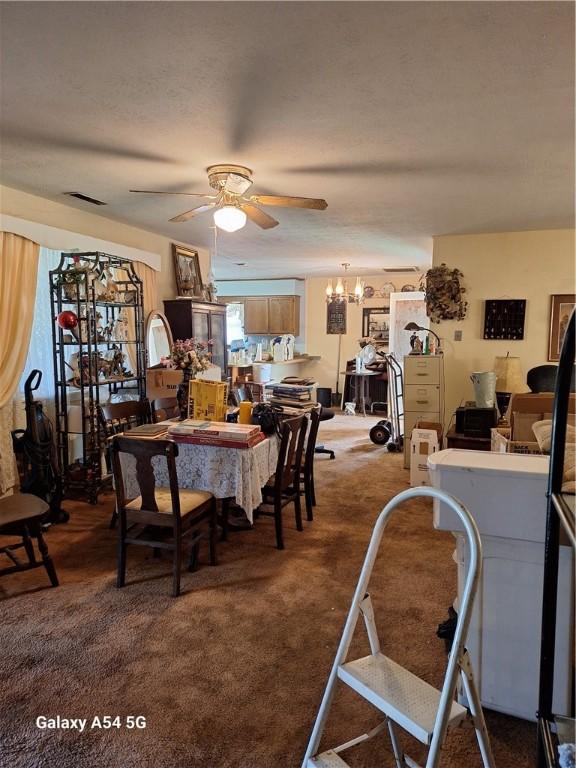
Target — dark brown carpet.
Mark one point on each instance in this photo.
(231, 673)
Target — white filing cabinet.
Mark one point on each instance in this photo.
(423, 394)
(506, 495)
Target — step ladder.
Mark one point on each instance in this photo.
(403, 698)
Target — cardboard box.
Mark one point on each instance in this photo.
(163, 382)
(501, 442)
(207, 400)
(525, 409)
(423, 442)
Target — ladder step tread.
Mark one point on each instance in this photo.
(329, 759)
(405, 698)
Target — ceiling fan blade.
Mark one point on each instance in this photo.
(194, 212)
(157, 192)
(258, 217)
(291, 202)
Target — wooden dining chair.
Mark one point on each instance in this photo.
(283, 488)
(186, 513)
(117, 418)
(164, 408)
(120, 417)
(306, 475)
(21, 516)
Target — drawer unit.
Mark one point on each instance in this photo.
(422, 398)
(422, 369)
(423, 394)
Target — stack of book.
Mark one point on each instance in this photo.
(293, 396)
(219, 433)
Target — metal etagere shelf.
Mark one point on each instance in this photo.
(552, 729)
(99, 355)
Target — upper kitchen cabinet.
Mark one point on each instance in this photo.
(200, 320)
(256, 315)
(272, 315)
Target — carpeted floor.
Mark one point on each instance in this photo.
(231, 673)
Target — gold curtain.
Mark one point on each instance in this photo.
(18, 273)
(149, 286)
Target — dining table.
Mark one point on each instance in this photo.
(227, 473)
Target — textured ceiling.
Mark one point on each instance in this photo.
(411, 119)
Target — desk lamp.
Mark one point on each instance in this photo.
(415, 327)
(509, 381)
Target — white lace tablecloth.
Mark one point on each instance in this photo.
(235, 473)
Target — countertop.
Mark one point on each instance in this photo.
(294, 361)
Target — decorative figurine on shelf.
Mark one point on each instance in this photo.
(415, 344)
(99, 328)
(121, 330)
(98, 287)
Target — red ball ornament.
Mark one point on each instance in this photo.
(67, 320)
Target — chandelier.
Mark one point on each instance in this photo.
(341, 292)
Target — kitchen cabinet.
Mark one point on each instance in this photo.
(201, 320)
(272, 315)
(256, 315)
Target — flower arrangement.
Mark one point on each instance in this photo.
(188, 355)
(444, 294)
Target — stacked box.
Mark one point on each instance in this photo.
(501, 442)
(207, 400)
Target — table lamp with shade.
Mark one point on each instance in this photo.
(509, 381)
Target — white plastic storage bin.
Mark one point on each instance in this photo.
(506, 495)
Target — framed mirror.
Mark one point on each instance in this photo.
(158, 338)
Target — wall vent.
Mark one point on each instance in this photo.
(80, 196)
(398, 270)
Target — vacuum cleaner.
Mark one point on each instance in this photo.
(36, 454)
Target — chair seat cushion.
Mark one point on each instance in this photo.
(20, 507)
(189, 501)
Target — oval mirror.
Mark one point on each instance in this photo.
(158, 338)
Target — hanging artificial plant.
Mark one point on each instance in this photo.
(444, 294)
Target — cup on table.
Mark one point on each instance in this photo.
(245, 414)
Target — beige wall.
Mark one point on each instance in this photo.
(16, 203)
(318, 342)
(515, 265)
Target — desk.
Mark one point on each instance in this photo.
(458, 440)
(228, 473)
(360, 387)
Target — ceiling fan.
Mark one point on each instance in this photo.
(232, 207)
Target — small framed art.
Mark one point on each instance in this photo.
(561, 307)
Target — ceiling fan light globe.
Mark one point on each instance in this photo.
(229, 218)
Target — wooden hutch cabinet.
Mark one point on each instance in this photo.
(201, 320)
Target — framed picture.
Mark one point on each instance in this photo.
(336, 317)
(561, 307)
(187, 271)
(376, 323)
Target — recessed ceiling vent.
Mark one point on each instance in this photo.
(80, 196)
(393, 270)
